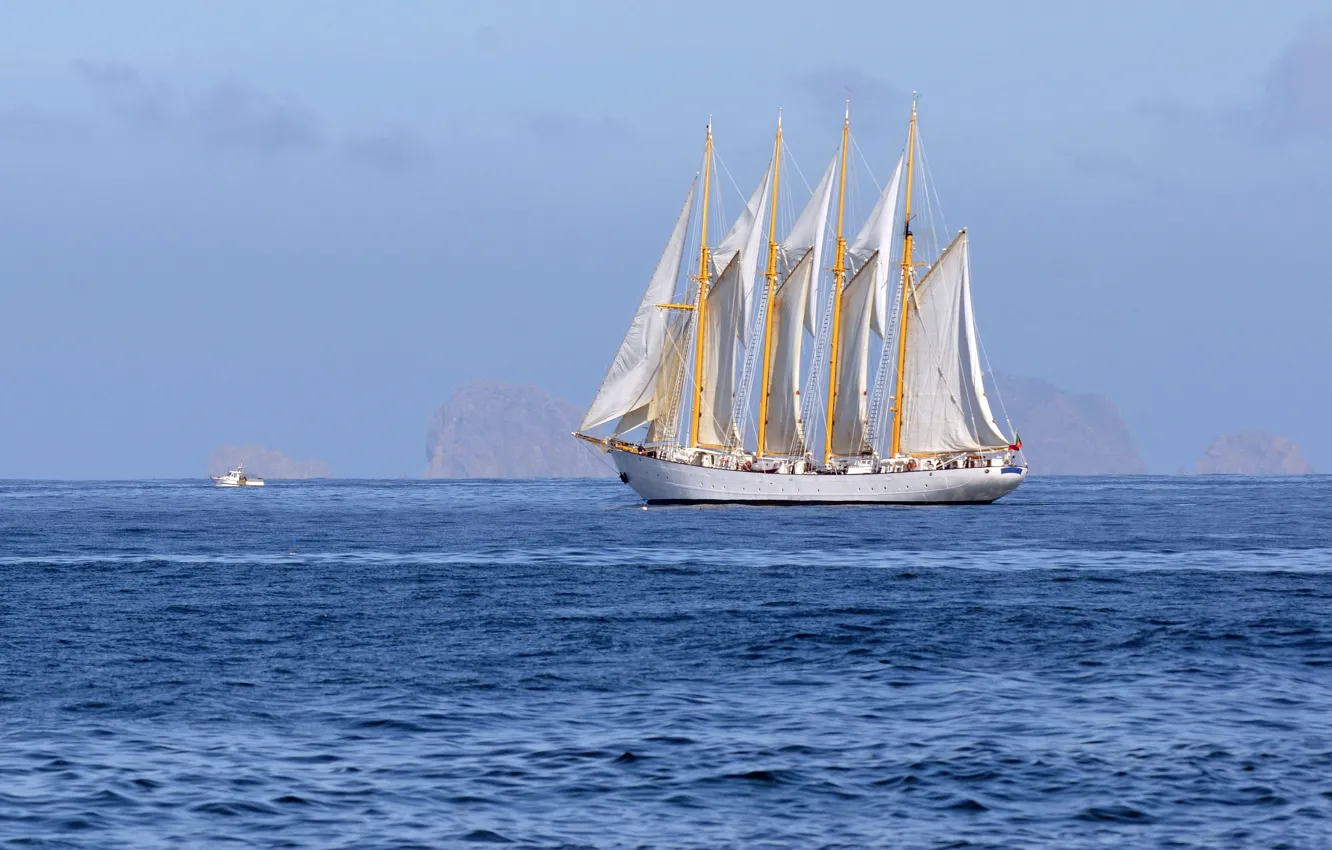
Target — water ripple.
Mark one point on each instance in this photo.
(1133, 662)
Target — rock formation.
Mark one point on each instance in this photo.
(264, 463)
(1253, 453)
(1066, 433)
(491, 429)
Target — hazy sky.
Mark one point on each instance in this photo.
(303, 224)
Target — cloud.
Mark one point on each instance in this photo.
(872, 99)
(234, 117)
(1295, 98)
(227, 116)
(108, 73)
(566, 126)
(395, 151)
(1297, 92)
(128, 94)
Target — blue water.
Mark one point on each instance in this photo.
(1088, 663)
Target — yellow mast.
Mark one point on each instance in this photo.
(772, 287)
(906, 286)
(701, 298)
(839, 275)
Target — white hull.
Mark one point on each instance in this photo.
(666, 482)
(237, 478)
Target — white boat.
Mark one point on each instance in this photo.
(704, 397)
(237, 478)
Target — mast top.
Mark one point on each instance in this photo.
(847, 119)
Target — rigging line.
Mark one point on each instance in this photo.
(931, 188)
(935, 249)
(753, 340)
(818, 367)
(690, 337)
(721, 195)
(787, 216)
(885, 377)
(674, 408)
(877, 188)
(790, 157)
(691, 234)
(682, 294)
(935, 245)
(602, 457)
(786, 205)
(678, 337)
(853, 207)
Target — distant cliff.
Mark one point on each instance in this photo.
(490, 429)
(264, 463)
(1253, 453)
(1067, 433)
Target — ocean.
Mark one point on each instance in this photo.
(1091, 662)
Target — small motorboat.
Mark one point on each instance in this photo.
(237, 478)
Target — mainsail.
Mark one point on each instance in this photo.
(743, 240)
(850, 417)
(793, 309)
(875, 238)
(864, 306)
(716, 425)
(726, 317)
(663, 411)
(807, 233)
(628, 388)
(944, 389)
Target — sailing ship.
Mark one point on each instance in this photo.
(687, 423)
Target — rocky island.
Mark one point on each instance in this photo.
(1253, 453)
(493, 429)
(1066, 433)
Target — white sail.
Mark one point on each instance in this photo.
(864, 306)
(794, 309)
(720, 344)
(729, 303)
(630, 380)
(784, 433)
(877, 236)
(743, 240)
(850, 432)
(808, 233)
(945, 408)
(663, 410)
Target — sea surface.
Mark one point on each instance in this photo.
(1095, 662)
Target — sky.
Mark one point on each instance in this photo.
(304, 224)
